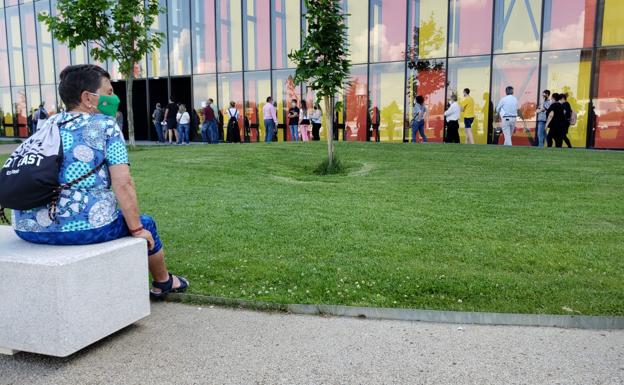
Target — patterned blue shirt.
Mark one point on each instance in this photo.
(90, 204)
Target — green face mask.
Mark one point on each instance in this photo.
(108, 104)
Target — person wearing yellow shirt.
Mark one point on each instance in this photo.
(467, 107)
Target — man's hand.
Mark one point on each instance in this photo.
(147, 235)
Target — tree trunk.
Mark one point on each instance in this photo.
(129, 83)
(329, 108)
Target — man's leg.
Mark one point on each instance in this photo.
(508, 130)
(541, 133)
(421, 129)
(414, 129)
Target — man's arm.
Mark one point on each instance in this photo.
(550, 118)
(166, 114)
(274, 113)
(123, 187)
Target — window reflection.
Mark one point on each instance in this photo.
(471, 28)
(356, 102)
(609, 100)
(204, 88)
(158, 60)
(521, 72)
(387, 30)
(428, 79)
(286, 31)
(517, 25)
(4, 54)
(48, 98)
(257, 89)
(569, 24)
(61, 51)
(33, 99)
(6, 111)
(428, 28)
(44, 44)
(229, 30)
(179, 37)
(569, 72)
(14, 41)
(29, 44)
(472, 73)
(386, 105)
(19, 127)
(357, 23)
(612, 27)
(79, 55)
(257, 34)
(284, 91)
(230, 90)
(204, 43)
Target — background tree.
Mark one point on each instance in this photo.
(117, 29)
(322, 62)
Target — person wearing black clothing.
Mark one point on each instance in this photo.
(555, 121)
(293, 121)
(373, 118)
(170, 119)
(568, 115)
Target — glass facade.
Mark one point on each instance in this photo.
(237, 51)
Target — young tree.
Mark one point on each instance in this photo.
(322, 62)
(118, 30)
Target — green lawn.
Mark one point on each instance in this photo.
(475, 228)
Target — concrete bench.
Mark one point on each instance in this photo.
(56, 300)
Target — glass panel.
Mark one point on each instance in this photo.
(257, 89)
(44, 44)
(428, 27)
(286, 31)
(229, 38)
(569, 23)
(204, 42)
(471, 28)
(472, 73)
(356, 102)
(48, 93)
(613, 27)
(61, 51)
(29, 44)
(4, 54)
(33, 99)
(20, 127)
(569, 72)
(204, 88)
(386, 105)
(6, 115)
(609, 101)
(257, 35)
(387, 30)
(357, 22)
(79, 55)
(284, 90)
(230, 90)
(521, 72)
(15, 46)
(158, 61)
(179, 37)
(428, 79)
(517, 25)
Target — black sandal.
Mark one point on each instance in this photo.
(167, 287)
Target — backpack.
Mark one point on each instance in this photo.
(573, 117)
(29, 177)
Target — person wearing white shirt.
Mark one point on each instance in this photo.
(507, 109)
(184, 125)
(452, 121)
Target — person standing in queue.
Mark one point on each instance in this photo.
(556, 121)
(567, 108)
(293, 120)
(542, 117)
(170, 121)
(507, 109)
(467, 106)
(317, 119)
(452, 121)
(269, 114)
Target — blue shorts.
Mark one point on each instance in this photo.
(115, 230)
(468, 122)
